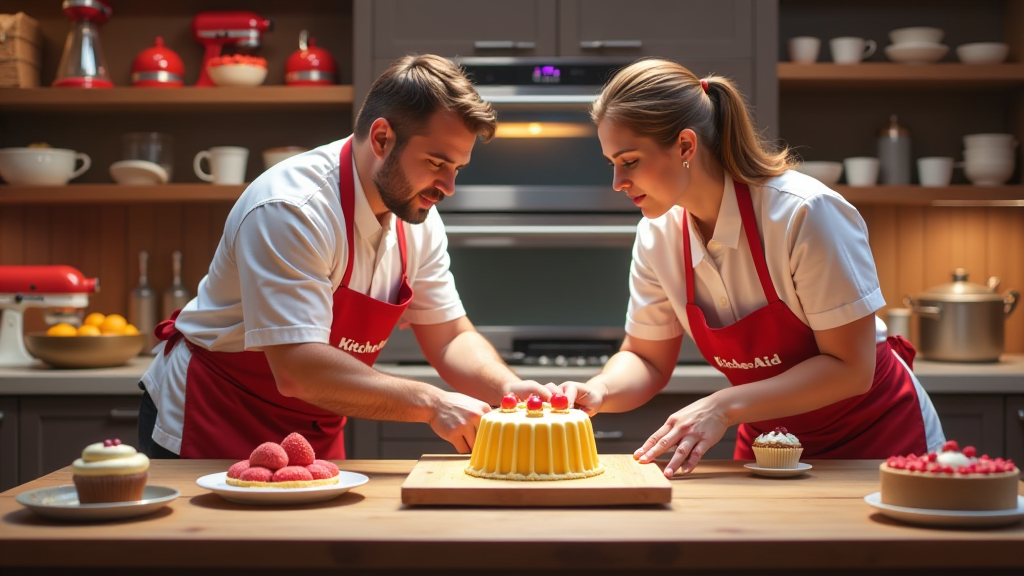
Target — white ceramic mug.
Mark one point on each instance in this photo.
(935, 170)
(272, 156)
(851, 50)
(227, 164)
(861, 171)
(41, 166)
(804, 49)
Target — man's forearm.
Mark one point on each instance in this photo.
(472, 366)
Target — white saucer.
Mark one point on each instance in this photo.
(925, 517)
(216, 483)
(62, 502)
(778, 472)
(138, 173)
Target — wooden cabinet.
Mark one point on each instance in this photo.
(8, 443)
(972, 421)
(53, 430)
(1014, 422)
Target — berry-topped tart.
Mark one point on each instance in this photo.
(535, 440)
(290, 464)
(950, 479)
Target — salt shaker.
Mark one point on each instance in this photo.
(894, 153)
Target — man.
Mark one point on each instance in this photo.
(321, 257)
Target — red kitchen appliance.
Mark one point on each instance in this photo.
(158, 67)
(310, 65)
(82, 64)
(236, 28)
(23, 287)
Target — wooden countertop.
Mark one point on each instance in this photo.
(818, 520)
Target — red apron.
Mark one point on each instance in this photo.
(232, 403)
(884, 421)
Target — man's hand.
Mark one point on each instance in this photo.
(456, 418)
(524, 388)
(587, 396)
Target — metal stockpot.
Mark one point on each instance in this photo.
(962, 321)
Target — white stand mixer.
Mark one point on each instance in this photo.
(23, 287)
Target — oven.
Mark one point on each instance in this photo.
(540, 243)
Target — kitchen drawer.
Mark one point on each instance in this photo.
(1014, 447)
(973, 420)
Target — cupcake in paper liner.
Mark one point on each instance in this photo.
(109, 471)
(777, 449)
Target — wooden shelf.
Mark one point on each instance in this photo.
(947, 196)
(949, 76)
(115, 193)
(188, 98)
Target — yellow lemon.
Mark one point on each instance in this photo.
(130, 329)
(94, 319)
(113, 324)
(62, 329)
(88, 330)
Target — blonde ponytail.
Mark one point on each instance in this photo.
(659, 99)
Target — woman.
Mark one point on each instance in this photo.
(768, 270)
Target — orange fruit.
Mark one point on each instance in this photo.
(88, 330)
(62, 329)
(130, 329)
(113, 324)
(94, 319)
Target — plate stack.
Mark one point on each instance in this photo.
(989, 159)
(917, 45)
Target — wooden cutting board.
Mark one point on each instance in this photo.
(439, 479)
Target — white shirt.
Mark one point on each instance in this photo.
(281, 257)
(816, 250)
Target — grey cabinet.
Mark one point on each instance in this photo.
(973, 420)
(8, 443)
(54, 429)
(1014, 447)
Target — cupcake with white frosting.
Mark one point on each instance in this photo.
(110, 471)
(777, 449)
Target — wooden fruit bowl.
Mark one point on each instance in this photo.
(84, 351)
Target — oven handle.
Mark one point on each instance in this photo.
(599, 44)
(503, 45)
(540, 230)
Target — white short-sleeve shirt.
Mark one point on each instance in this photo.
(281, 257)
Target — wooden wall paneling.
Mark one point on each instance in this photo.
(12, 235)
(113, 296)
(883, 236)
(1005, 259)
(939, 241)
(910, 230)
(969, 242)
(167, 239)
(196, 248)
(141, 236)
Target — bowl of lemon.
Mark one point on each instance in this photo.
(101, 341)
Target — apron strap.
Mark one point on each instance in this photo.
(167, 331)
(903, 348)
(348, 203)
(687, 259)
(754, 241)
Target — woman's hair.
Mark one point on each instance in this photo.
(413, 88)
(659, 99)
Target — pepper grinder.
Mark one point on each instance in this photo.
(177, 295)
(143, 304)
(894, 153)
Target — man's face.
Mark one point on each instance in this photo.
(422, 172)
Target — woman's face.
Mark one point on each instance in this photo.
(653, 177)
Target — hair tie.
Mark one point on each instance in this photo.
(704, 85)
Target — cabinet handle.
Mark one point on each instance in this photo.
(599, 44)
(1, 416)
(124, 414)
(1020, 415)
(503, 45)
(612, 435)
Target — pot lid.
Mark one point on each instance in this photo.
(960, 290)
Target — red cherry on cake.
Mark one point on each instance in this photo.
(534, 403)
(969, 451)
(781, 430)
(509, 401)
(950, 446)
(560, 402)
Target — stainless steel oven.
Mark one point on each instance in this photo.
(540, 243)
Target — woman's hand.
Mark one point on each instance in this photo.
(693, 430)
(587, 396)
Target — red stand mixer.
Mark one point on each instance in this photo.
(215, 30)
(82, 64)
(24, 287)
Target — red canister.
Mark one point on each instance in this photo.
(158, 67)
(310, 65)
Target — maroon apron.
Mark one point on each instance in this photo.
(232, 403)
(884, 421)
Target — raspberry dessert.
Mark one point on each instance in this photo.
(950, 479)
(290, 464)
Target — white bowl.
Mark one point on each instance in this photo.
(827, 173)
(41, 166)
(993, 154)
(916, 52)
(237, 74)
(987, 172)
(972, 141)
(916, 34)
(982, 52)
(138, 173)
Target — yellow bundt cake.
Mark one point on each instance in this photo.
(533, 441)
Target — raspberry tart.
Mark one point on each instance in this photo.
(290, 464)
(950, 479)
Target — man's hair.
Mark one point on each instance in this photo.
(414, 87)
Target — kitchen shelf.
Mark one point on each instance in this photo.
(946, 196)
(116, 193)
(947, 75)
(188, 98)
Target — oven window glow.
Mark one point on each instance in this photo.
(544, 130)
(546, 75)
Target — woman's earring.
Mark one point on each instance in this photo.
(686, 164)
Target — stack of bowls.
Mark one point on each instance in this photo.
(989, 159)
(916, 45)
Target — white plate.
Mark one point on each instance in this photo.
(926, 517)
(138, 173)
(216, 483)
(62, 502)
(916, 52)
(778, 472)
